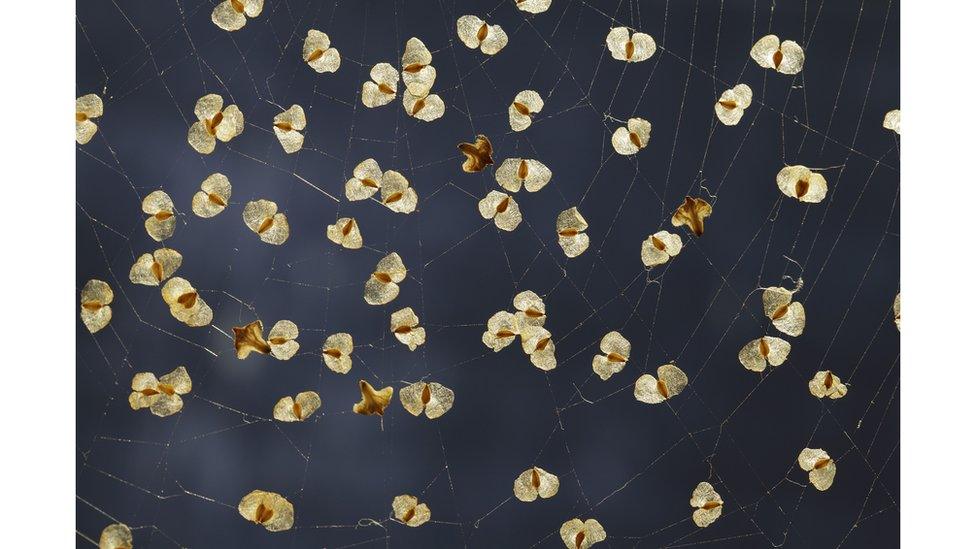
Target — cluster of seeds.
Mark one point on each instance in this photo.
(215, 121)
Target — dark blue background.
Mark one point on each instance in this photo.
(177, 480)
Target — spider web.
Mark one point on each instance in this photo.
(176, 481)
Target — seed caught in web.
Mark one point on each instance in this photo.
(801, 183)
(785, 58)
(788, 316)
(502, 208)
(428, 108)
(185, 303)
(477, 155)
(669, 383)
(826, 384)
(262, 217)
(396, 192)
(766, 350)
(288, 128)
(892, 121)
(577, 534)
(501, 332)
(632, 48)
(87, 107)
(152, 269)
(409, 512)
(268, 509)
(304, 404)
(632, 138)
(821, 467)
(658, 248)
(733, 104)
(531, 309)
(475, 33)
(707, 504)
(161, 396)
(373, 402)
(318, 52)
(615, 351)
(282, 338)
(161, 222)
(405, 326)
(535, 483)
(527, 104)
(345, 232)
(250, 338)
(230, 14)
(533, 6)
(382, 286)
(365, 182)
(418, 74)
(515, 172)
(381, 89)
(432, 399)
(896, 309)
(569, 230)
(336, 353)
(538, 344)
(692, 213)
(115, 536)
(214, 122)
(213, 196)
(95, 311)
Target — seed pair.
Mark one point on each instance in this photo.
(476, 33)
(534, 483)
(185, 303)
(577, 534)
(336, 352)
(213, 196)
(96, 296)
(570, 227)
(152, 269)
(281, 342)
(87, 107)
(633, 137)
(298, 408)
(214, 121)
(231, 15)
(524, 107)
(288, 126)
(268, 509)
(382, 286)
(615, 352)
(345, 232)
(264, 219)
(161, 223)
(318, 53)
(669, 383)
(630, 47)
(821, 467)
(431, 399)
(826, 384)
(405, 326)
(660, 247)
(707, 504)
(408, 510)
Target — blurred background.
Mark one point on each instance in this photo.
(632, 466)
